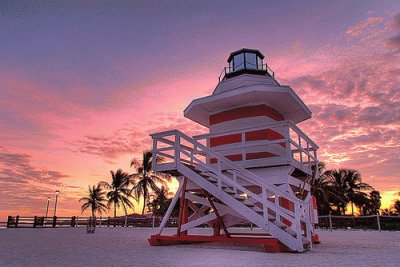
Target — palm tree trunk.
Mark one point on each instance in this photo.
(126, 215)
(144, 204)
(115, 213)
(144, 201)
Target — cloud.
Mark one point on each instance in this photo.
(364, 27)
(393, 41)
(25, 186)
(131, 140)
(356, 106)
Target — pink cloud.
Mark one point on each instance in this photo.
(364, 27)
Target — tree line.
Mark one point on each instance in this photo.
(124, 188)
(334, 190)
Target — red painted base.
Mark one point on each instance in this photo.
(315, 239)
(271, 245)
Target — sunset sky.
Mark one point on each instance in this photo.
(83, 84)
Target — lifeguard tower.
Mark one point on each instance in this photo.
(253, 167)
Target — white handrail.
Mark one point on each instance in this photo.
(251, 177)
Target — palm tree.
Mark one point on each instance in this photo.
(396, 207)
(94, 200)
(118, 192)
(146, 179)
(160, 203)
(322, 189)
(347, 185)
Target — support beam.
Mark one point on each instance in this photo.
(170, 208)
(221, 222)
(183, 209)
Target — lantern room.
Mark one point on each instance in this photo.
(245, 60)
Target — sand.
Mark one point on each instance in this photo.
(129, 247)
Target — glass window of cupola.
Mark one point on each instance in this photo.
(259, 63)
(238, 62)
(251, 61)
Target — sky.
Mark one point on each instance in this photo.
(84, 83)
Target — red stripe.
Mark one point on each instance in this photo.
(266, 134)
(249, 156)
(226, 139)
(235, 157)
(259, 155)
(287, 204)
(246, 112)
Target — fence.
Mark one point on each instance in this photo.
(75, 221)
(372, 222)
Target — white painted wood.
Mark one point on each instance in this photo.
(171, 207)
(233, 204)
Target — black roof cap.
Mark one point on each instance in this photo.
(245, 50)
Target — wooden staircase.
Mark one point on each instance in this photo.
(259, 205)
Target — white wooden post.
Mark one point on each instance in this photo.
(289, 155)
(154, 156)
(171, 207)
(300, 149)
(265, 208)
(378, 221)
(177, 148)
(235, 180)
(278, 207)
(219, 175)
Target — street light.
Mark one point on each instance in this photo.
(55, 204)
(47, 208)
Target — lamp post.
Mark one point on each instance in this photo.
(55, 204)
(47, 208)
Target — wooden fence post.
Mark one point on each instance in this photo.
(73, 221)
(34, 221)
(9, 219)
(16, 221)
(378, 221)
(54, 221)
(330, 220)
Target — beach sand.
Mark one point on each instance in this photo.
(129, 247)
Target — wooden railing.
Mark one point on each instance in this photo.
(296, 147)
(245, 66)
(75, 221)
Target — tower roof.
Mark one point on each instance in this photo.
(243, 50)
(245, 91)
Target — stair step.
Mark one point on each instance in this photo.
(257, 209)
(239, 197)
(230, 191)
(248, 203)
(291, 232)
(306, 242)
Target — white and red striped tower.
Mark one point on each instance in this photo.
(253, 167)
